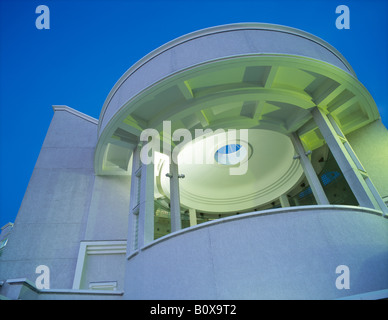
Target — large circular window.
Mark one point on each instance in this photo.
(231, 154)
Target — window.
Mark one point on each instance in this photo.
(231, 154)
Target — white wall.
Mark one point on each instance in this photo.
(52, 217)
(109, 208)
(285, 254)
(370, 143)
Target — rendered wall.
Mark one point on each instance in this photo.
(370, 143)
(285, 254)
(53, 214)
(104, 268)
(64, 204)
(109, 208)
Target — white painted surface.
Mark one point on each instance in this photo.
(281, 254)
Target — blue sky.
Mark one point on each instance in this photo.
(90, 44)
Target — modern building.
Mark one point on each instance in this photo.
(242, 161)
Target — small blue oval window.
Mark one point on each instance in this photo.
(230, 154)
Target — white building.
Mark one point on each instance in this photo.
(291, 207)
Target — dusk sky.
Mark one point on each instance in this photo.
(91, 43)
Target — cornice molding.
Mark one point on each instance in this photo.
(75, 112)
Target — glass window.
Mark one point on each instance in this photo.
(231, 154)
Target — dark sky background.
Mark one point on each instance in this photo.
(91, 43)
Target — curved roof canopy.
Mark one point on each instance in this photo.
(260, 77)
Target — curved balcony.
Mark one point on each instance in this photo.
(286, 253)
(294, 100)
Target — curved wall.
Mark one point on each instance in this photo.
(283, 254)
(213, 44)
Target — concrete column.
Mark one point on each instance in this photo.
(146, 205)
(284, 201)
(132, 241)
(309, 171)
(193, 217)
(353, 171)
(176, 223)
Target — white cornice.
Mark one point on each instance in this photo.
(76, 113)
(9, 224)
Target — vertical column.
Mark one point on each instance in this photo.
(146, 205)
(309, 171)
(133, 218)
(176, 223)
(193, 217)
(284, 201)
(353, 171)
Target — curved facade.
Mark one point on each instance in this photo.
(231, 163)
(281, 254)
(202, 70)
